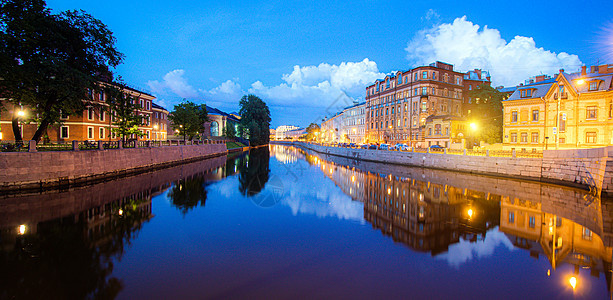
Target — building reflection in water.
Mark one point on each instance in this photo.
(430, 216)
(62, 244)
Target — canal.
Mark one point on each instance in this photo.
(282, 222)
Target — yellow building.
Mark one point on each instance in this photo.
(571, 111)
(446, 131)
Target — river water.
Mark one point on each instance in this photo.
(281, 222)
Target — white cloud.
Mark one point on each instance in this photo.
(176, 83)
(431, 14)
(228, 87)
(465, 251)
(320, 86)
(465, 45)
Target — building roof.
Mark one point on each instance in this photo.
(539, 89)
(605, 81)
(445, 117)
(215, 111)
(157, 106)
(354, 105)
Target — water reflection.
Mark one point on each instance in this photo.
(254, 171)
(64, 244)
(460, 217)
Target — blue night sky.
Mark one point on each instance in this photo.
(308, 58)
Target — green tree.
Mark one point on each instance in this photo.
(123, 109)
(50, 61)
(487, 113)
(255, 120)
(188, 118)
(229, 131)
(311, 130)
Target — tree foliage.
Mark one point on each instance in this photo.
(311, 130)
(188, 119)
(123, 109)
(229, 131)
(50, 61)
(487, 113)
(255, 120)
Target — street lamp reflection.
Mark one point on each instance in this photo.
(573, 282)
(21, 230)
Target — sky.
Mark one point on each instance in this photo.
(309, 59)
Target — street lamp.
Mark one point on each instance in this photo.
(155, 128)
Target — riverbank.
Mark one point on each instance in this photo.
(23, 171)
(583, 168)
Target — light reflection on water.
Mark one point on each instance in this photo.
(285, 223)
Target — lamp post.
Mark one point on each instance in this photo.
(155, 128)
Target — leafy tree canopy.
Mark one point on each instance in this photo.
(311, 130)
(487, 113)
(255, 120)
(50, 61)
(188, 119)
(123, 110)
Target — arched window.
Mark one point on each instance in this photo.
(214, 128)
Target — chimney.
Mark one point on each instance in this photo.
(583, 70)
(594, 69)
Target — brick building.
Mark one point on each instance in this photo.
(94, 124)
(397, 107)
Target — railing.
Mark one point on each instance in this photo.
(32, 146)
(12, 146)
(469, 152)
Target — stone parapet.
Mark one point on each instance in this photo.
(36, 170)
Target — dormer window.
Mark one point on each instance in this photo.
(399, 80)
(526, 93)
(593, 85)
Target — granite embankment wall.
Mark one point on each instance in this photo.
(584, 168)
(32, 208)
(36, 170)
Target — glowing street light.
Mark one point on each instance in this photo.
(21, 113)
(473, 126)
(470, 212)
(573, 282)
(580, 82)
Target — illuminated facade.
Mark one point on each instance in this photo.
(398, 105)
(568, 111)
(94, 124)
(354, 119)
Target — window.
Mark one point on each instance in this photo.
(64, 132)
(514, 137)
(586, 234)
(101, 96)
(526, 93)
(90, 113)
(148, 134)
(590, 137)
(429, 131)
(591, 112)
(447, 131)
(214, 128)
(424, 90)
(101, 134)
(387, 110)
(392, 110)
(535, 115)
(562, 122)
(532, 222)
(424, 75)
(63, 116)
(399, 80)
(90, 133)
(514, 117)
(148, 105)
(101, 114)
(470, 87)
(535, 137)
(141, 104)
(424, 106)
(562, 140)
(437, 129)
(593, 85)
(511, 217)
(524, 137)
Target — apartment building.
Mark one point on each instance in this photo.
(568, 111)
